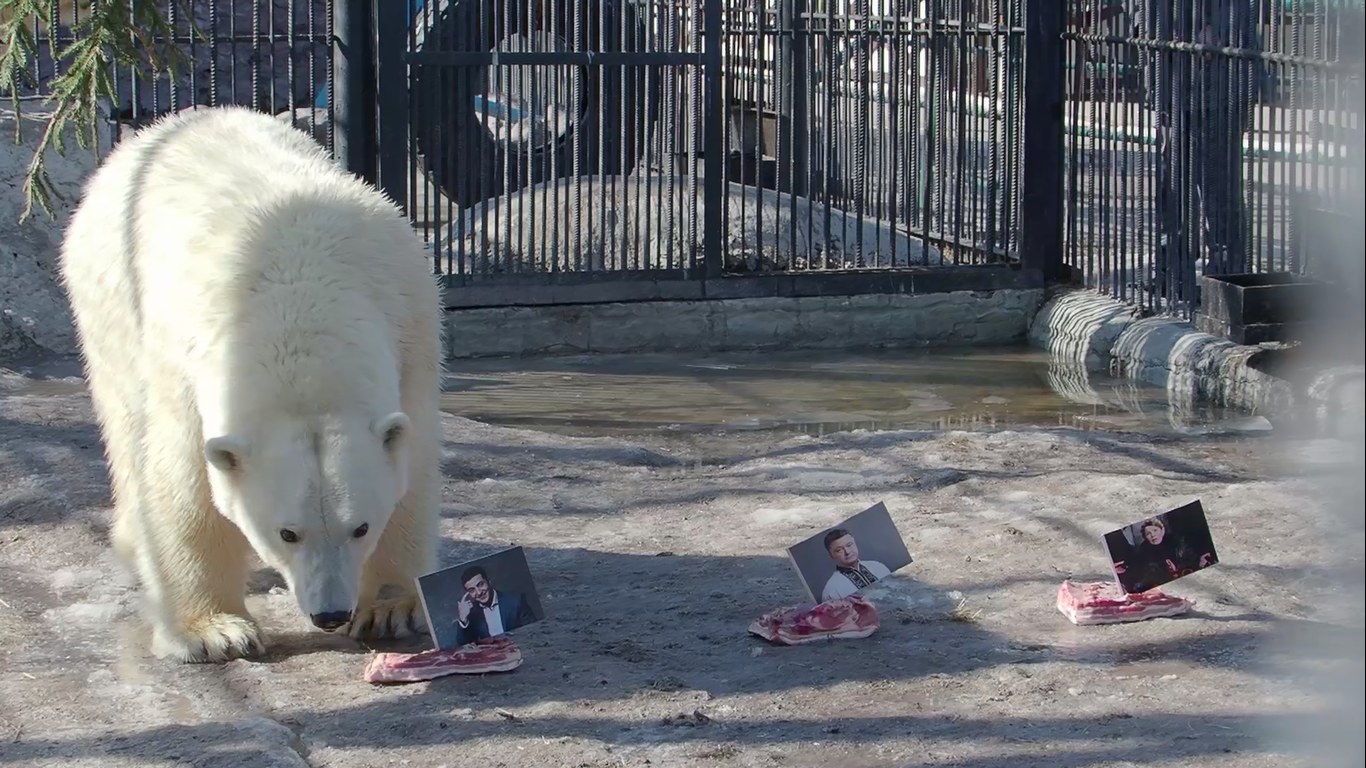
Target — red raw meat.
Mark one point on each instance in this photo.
(497, 654)
(1103, 602)
(848, 617)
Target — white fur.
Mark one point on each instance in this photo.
(261, 335)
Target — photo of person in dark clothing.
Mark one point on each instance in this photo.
(1161, 549)
(483, 611)
(480, 599)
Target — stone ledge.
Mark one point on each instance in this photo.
(820, 322)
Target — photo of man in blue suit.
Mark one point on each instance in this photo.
(485, 612)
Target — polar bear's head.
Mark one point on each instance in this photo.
(313, 498)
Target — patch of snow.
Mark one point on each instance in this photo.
(76, 614)
(764, 229)
(796, 516)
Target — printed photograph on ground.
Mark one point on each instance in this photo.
(1161, 549)
(479, 599)
(843, 559)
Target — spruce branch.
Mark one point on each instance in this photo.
(112, 33)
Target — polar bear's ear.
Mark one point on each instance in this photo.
(392, 428)
(225, 452)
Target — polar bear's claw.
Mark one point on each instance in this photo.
(386, 619)
(216, 638)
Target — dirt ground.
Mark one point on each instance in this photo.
(653, 553)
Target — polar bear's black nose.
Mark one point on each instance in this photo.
(330, 620)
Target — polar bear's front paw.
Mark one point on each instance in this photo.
(385, 619)
(215, 638)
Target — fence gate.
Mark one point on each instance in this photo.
(547, 141)
(592, 150)
(558, 150)
(1209, 137)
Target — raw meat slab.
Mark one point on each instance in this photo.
(498, 654)
(850, 617)
(1103, 602)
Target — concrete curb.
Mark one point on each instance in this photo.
(1085, 328)
(811, 322)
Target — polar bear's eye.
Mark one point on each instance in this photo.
(361, 530)
(289, 536)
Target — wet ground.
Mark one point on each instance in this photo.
(786, 393)
(655, 537)
(981, 388)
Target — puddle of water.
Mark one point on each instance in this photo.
(808, 392)
(55, 376)
(817, 393)
(43, 387)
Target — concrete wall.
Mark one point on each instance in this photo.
(844, 322)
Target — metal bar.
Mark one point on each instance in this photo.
(694, 115)
(555, 58)
(1041, 178)
(1219, 50)
(351, 64)
(391, 81)
(825, 24)
(713, 116)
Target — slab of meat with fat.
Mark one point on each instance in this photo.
(849, 617)
(1103, 602)
(497, 654)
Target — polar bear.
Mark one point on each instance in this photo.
(261, 335)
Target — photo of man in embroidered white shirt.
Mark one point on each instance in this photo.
(851, 573)
(842, 560)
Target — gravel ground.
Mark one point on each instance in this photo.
(652, 554)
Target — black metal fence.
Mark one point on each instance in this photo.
(1209, 137)
(273, 55)
(551, 139)
(552, 150)
(560, 143)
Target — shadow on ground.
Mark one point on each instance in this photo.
(643, 655)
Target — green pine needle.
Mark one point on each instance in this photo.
(112, 32)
